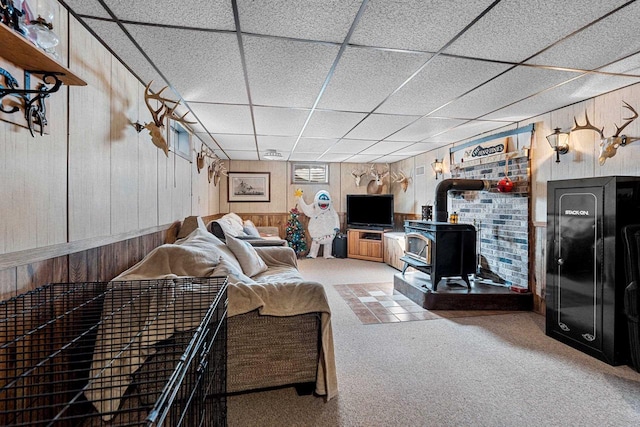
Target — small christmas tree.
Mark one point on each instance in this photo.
(295, 233)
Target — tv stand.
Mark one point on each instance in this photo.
(366, 244)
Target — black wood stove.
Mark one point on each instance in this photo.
(440, 249)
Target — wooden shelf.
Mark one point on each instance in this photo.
(24, 54)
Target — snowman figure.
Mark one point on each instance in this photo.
(323, 222)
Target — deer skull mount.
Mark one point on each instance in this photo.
(402, 179)
(167, 109)
(357, 175)
(609, 145)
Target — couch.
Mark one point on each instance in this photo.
(279, 325)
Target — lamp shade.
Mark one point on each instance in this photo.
(438, 167)
(559, 142)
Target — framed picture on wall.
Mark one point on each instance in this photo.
(249, 186)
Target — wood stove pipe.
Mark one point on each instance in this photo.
(443, 188)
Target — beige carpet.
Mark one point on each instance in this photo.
(499, 370)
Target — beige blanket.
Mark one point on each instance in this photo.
(121, 350)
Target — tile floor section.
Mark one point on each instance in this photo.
(380, 303)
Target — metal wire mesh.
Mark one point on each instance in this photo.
(148, 352)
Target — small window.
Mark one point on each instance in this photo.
(309, 173)
(180, 140)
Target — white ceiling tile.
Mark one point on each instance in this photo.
(351, 146)
(612, 38)
(577, 90)
(513, 85)
(215, 71)
(418, 148)
(242, 155)
(385, 147)
(363, 158)
(197, 128)
(266, 142)
(286, 73)
(379, 126)
(415, 24)
(630, 65)
(328, 20)
(424, 128)
(204, 138)
(468, 130)
(213, 14)
(365, 77)
(279, 121)
(516, 29)
(111, 34)
(392, 158)
(236, 142)
(305, 157)
(334, 157)
(224, 118)
(331, 124)
(441, 81)
(315, 145)
(88, 7)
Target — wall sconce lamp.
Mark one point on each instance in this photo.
(559, 142)
(438, 167)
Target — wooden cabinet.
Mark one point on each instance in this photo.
(365, 244)
(394, 249)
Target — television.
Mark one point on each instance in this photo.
(374, 211)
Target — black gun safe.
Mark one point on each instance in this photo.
(585, 263)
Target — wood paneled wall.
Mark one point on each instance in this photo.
(91, 177)
(84, 201)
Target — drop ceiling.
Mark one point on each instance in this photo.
(367, 81)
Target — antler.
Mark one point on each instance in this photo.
(155, 127)
(164, 110)
(398, 178)
(587, 126)
(402, 179)
(628, 120)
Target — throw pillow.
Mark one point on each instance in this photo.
(189, 224)
(247, 256)
(235, 222)
(251, 229)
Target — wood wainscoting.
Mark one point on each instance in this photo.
(104, 262)
(101, 263)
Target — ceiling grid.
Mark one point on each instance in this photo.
(367, 81)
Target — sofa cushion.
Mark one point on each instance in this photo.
(250, 229)
(233, 274)
(247, 256)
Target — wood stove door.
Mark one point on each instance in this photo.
(576, 300)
